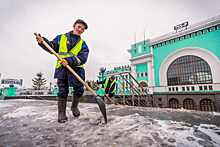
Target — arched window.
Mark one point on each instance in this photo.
(207, 105)
(189, 70)
(188, 104)
(143, 84)
(174, 103)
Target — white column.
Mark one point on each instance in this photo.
(133, 70)
(0, 80)
(150, 77)
(151, 72)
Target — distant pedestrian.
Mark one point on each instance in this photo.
(109, 86)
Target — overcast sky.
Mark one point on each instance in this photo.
(112, 25)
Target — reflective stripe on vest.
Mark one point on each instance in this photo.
(106, 83)
(63, 51)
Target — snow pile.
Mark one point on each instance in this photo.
(135, 130)
(208, 129)
(48, 115)
(22, 112)
(2, 104)
(127, 126)
(215, 113)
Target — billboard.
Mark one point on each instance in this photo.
(12, 81)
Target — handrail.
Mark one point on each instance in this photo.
(132, 86)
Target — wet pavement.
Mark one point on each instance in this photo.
(33, 123)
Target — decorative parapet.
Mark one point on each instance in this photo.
(191, 29)
(145, 58)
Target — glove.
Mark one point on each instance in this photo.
(39, 38)
(106, 95)
(64, 62)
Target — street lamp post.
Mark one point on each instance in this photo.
(102, 70)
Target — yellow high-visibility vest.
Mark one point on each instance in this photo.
(63, 51)
(106, 83)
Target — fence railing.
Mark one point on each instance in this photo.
(129, 91)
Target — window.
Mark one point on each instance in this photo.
(212, 29)
(139, 49)
(187, 70)
(193, 34)
(145, 74)
(205, 31)
(210, 87)
(177, 89)
(187, 88)
(144, 47)
(135, 51)
(200, 88)
(205, 88)
(192, 88)
(199, 32)
(183, 88)
(187, 36)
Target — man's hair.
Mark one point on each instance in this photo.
(81, 22)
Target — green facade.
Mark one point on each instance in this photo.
(208, 39)
(1, 92)
(141, 70)
(140, 48)
(137, 50)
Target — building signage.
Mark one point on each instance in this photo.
(181, 26)
(12, 81)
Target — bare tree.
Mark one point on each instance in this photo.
(39, 82)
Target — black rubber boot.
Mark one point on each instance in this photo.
(62, 118)
(74, 107)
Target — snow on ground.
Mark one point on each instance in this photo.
(215, 113)
(30, 123)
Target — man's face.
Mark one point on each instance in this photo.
(78, 29)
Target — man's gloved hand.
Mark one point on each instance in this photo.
(64, 62)
(39, 38)
(106, 95)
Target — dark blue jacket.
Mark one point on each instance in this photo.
(62, 73)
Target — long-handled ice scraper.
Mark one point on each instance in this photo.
(98, 99)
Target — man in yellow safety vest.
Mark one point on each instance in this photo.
(74, 51)
(109, 86)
